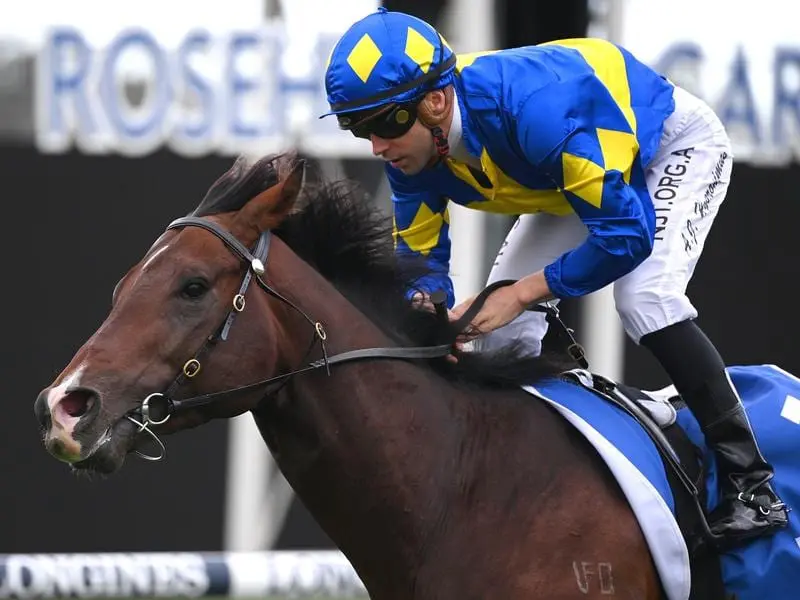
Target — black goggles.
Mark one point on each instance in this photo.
(389, 123)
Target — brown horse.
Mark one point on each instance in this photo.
(436, 480)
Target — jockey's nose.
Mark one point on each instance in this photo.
(379, 145)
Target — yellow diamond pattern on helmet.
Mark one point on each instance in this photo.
(363, 57)
(422, 235)
(419, 49)
(583, 178)
(619, 149)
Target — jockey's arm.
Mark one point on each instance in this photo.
(592, 164)
(421, 228)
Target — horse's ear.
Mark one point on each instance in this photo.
(270, 207)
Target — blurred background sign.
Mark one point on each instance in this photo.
(743, 60)
(198, 86)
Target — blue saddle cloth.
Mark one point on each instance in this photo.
(766, 569)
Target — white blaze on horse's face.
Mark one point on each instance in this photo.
(156, 253)
(115, 396)
(63, 424)
(66, 405)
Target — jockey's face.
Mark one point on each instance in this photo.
(416, 149)
(410, 153)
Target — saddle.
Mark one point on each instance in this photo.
(656, 413)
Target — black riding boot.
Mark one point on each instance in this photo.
(749, 507)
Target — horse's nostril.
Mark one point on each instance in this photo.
(76, 404)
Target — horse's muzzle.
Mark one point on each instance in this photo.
(66, 420)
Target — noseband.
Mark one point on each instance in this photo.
(157, 408)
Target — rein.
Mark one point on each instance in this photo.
(157, 408)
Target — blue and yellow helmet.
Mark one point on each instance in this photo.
(386, 57)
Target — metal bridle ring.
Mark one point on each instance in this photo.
(238, 303)
(146, 411)
(162, 450)
(320, 331)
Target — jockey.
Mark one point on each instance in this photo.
(617, 174)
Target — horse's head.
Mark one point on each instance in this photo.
(165, 334)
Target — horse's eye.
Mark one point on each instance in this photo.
(194, 289)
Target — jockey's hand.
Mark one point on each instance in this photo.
(423, 301)
(501, 307)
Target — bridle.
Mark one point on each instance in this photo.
(158, 407)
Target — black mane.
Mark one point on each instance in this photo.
(338, 231)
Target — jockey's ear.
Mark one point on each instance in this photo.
(436, 106)
(270, 207)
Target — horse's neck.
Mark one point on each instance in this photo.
(361, 406)
(360, 446)
(391, 459)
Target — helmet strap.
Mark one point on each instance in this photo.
(439, 138)
(433, 121)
